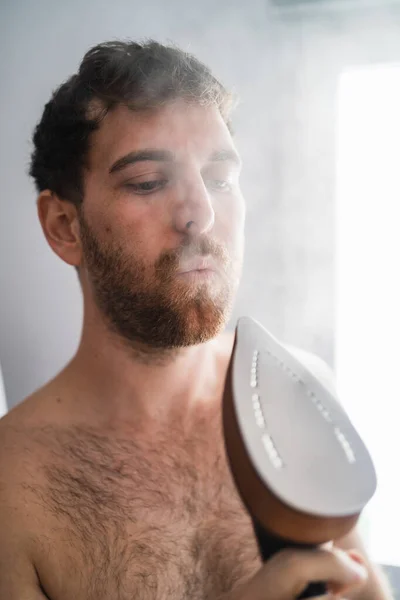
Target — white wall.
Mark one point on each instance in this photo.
(368, 281)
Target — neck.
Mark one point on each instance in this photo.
(125, 382)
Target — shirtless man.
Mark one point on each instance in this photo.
(113, 479)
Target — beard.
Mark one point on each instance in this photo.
(148, 304)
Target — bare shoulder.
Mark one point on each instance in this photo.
(21, 454)
(32, 444)
(15, 435)
(25, 435)
(19, 517)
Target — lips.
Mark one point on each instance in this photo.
(197, 264)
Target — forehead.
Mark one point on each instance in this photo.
(188, 130)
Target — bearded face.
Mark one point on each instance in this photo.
(162, 222)
(160, 304)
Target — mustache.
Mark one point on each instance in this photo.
(169, 261)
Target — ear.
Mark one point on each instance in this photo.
(60, 224)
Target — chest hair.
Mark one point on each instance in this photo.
(146, 518)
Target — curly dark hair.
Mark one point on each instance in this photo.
(141, 76)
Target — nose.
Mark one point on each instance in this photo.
(194, 212)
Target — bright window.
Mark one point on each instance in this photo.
(367, 346)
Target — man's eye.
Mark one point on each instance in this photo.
(144, 187)
(220, 185)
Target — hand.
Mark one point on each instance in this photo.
(286, 575)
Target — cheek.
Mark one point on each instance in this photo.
(139, 240)
(138, 218)
(108, 232)
(240, 210)
(230, 221)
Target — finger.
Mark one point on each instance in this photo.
(327, 545)
(356, 556)
(326, 597)
(334, 567)
(329, 597)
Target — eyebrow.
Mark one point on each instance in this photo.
(157, 155)
(227, 156)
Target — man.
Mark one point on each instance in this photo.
(114, 480)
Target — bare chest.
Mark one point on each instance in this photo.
(154, 520)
